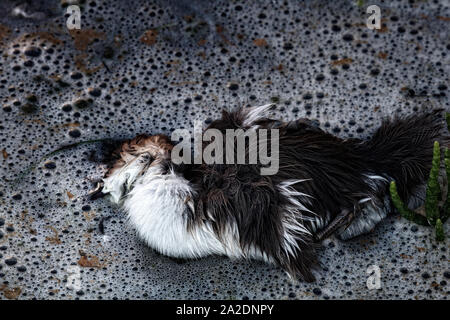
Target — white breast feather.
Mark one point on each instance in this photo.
(157, 207)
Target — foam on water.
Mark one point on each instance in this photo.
(154, 66)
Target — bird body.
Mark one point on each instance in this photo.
(324, 185)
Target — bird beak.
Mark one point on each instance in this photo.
(96, 193)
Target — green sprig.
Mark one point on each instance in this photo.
(440, 236)
(433, 192)
(446, 210)
(436, 211)
(403, 209)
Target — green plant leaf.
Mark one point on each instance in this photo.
(446, 211)
(404, 211)
(433, 192)
(440, 235)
